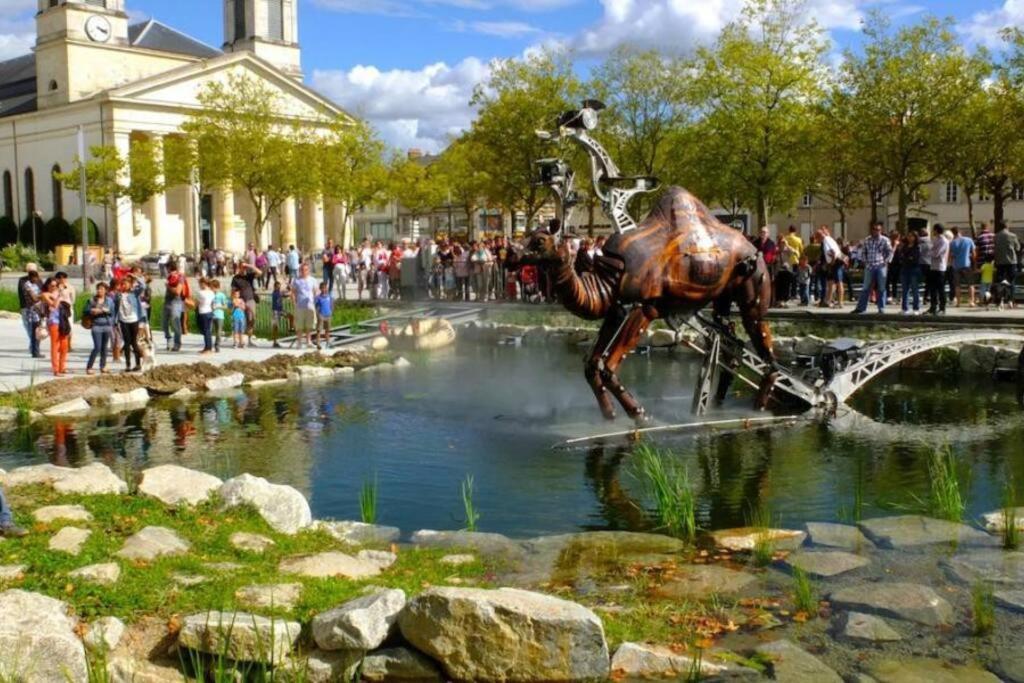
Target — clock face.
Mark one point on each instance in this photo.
(98, 29)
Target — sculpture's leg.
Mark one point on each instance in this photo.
(636, 323)
(595, 361)
(754, 299)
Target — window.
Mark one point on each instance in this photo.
(952, 192)
(58, 193)
(30, 192)
(8, 196)
(1017, 193)
(53, 85)
(275, 19)
(97, 3)
(240, 30)
(807, 200)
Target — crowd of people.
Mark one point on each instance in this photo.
(895, 267)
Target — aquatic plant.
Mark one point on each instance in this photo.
(472, 516)
(945, 499)
(1011, 532)
(669, 483)
(696, 674)
(983, 608)
(759, 518)
(368, 501)
(803, 592)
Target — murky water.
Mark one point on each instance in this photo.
(496, 413)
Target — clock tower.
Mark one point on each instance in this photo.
(267, 28)
(76, 42)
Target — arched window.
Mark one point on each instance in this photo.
(30, 192)
(8, 196)
(58, 193)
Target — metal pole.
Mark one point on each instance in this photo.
(82, 204)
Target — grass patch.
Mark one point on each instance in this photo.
(945, 499)
(669, 483)
(1011, 530)
(804, 595)
(368, 502)
(468, 506)
(983, 609)
(759, 518)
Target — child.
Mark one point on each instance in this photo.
(324, 313)
(238, 317)
(277, 312)
(988, 271)
(803, 281)
(220, 304)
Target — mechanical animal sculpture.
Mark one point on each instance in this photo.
(672, 264)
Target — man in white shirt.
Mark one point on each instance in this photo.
(304, 289)
(273, 261)
(938, 261)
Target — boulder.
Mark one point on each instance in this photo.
(401, 363)
(330, 564)
(396, 664)
(262, 383)
(104, 574)
(135, 398)
(746, 538)
(174, 485)
(1009, 664)
(977, 359)
(360, 624)
(69, 540)
(284, 508)
(702, 580)
(866, 627)
(643, 662)
(791, 664)
(69, 513)
(346, 371)
(322, 667)
(12, 572)
(493, 545)
(38, 643)
(183, 394)
(909, 601)
(907, 670)
(506, 634)
(907, 531)
(1012, 600)
(359, 533)
(104, 635)
(240, 636)
(253, 543)
(225, 382)
(93, 479)
(995, 522)
(842, 536)
(381, 558)
(151, 543)
(76, 406)
(823, 564)
(995, 566)
(270, 596)
(123, 669)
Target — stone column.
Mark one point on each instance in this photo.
(158, 202)
(224, 217)
(289, 233)
(313, 213)
(191, 203)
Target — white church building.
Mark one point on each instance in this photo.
(120, 81)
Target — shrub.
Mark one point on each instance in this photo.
(94, 232)
(57, 231)
(31, 230)
(8, 231)
(15, 256)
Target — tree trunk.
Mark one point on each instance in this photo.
(970, 213)
(762, 211)
(901, 216)
(590, 219)
(842, 223)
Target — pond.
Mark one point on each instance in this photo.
(499, 414)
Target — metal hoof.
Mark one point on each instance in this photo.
(641, 419)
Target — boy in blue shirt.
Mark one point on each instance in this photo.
(276, 311)
(324, 313)
(220, 304)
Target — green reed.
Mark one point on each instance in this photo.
(946, 501)
(760, 519)
(669, 483)
(472, 515)
(368, 501)
(983, 608)
(804, 596)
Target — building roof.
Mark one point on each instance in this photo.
(18, 75)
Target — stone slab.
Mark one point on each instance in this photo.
(997, 567)
(908, 531)
(744, 539)
(909, 601)
(792, 664)
(703, 580)
(826, 563)
(843, 536)
(928, 670)
(866, 627)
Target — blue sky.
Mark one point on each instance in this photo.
(410, 65)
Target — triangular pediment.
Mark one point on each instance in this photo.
(180, 87)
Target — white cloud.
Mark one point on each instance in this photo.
(417, 8)
(17, 30)
(411, 108)
(499, 29)
(984, 27)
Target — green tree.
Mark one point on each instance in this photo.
(520, 97)
(413, 185)
(461, 177)
(839, 174)
(145, 171)
(351, 171)
(758, 87)
(905, 91)
(103, 173)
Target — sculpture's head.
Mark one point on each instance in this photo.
(542, 246)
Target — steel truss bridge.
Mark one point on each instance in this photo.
(367, 330)
(722, 350)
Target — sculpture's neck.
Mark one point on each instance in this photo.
(585, 295)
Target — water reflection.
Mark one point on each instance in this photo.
(495, 413)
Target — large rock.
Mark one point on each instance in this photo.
(312, 373)
(69, 540)
(322, 667)
(494, 545)
(240, 636)
(909, 601)
(992, 566)
(506, 634)
(841, 536)
(643, 662)
(702, 580)
(328, 565)
(68, 513)
(173, 485)
(359, 533)
(396, 664)
(76, 406)
(906, 531)
(791, 664)
(124, 669)
(135, 398)
(360, 624)
(1012, 600)
(284, 508)
(906, 670)
(93, 479)
(977, 359)
(866, 627)
(104, 574)
(225, 382)
(38, 643)
(270, 596)
(151, 543)
(995, 522)
(12, 572)
(252, 543)
(104, 635)
(747, 538)
(827, 563)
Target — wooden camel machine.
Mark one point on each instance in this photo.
(670, 266)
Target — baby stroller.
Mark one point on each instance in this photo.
(529, 280)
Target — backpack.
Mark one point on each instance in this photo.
(64, 319)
